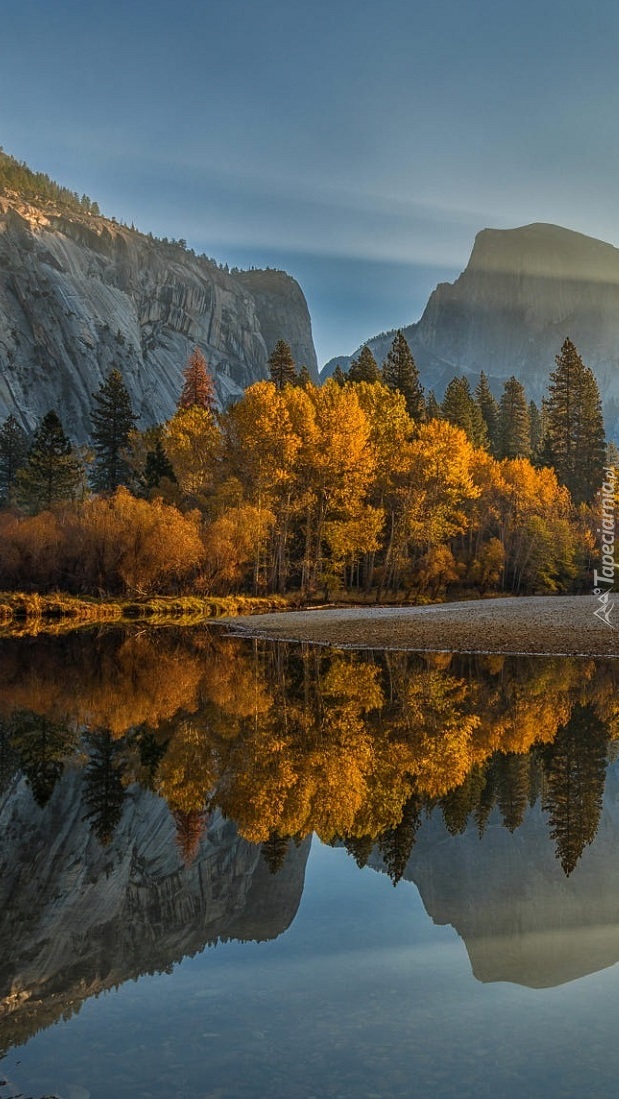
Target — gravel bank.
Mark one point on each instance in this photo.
(549, 625)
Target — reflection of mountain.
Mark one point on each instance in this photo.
(77, 918)
(521, 918)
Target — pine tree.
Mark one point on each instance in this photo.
(53, 471)
(43, 747)
(104, 794)
(396, 844)
(536, 431)
(400, 373)
(158, 466)
(13, 450)
(304, 379)
(190, 827)
(513, 774)
(514, 423)
(339, 377)
(282, 365)
(433, 408)
(274, 851)
(575, 768)
(199, 386)
(112, 421)
(462, 411)
(575, 440)
(489, 409)
(365, 368)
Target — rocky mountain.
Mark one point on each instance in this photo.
(522, 292)
(77, 918)
(80, 293)
(522, 920)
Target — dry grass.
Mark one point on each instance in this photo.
(26, 613)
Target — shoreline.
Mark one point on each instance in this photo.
(544, 625)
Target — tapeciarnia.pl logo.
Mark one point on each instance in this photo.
(603, 581)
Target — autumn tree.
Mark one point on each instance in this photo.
(400, 372)
(282, 368)
(575, 440)
(365, 368)
(112, 421)
(52, 471)
(198, 384)
(13, 450)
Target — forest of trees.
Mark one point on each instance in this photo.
(286, 741)
(364, 484)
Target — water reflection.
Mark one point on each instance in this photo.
(158, 792)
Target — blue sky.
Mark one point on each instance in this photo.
(359, 145)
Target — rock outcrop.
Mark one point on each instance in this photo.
(522, 920)
(522, 292)
(77, 918)
(79, 294)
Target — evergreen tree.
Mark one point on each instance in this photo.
(575, 441)
(433, 408)
(339, 377)
(462, 411)
(112, 421)
(13, 450)
(282, 365)
(360, 848)
(304, 379)
(514, 423)
(536, 431)
(158, 466)
(104, 794)
(489, 409)
(575, 769)
(513, 775)
(365, 368)
(52, 472)
(274, 851)
(199, 386)
(400, 373)
(396, 844)
(43, 747)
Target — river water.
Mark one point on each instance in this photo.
(234, 869)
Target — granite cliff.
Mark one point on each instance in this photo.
(77, 918)
(521, 919)
(80, 293)
(522, 292)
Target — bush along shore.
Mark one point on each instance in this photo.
(19, 608)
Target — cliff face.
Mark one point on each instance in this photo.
(77, 918)
(522, 292)
(521, 919)
(79, 294)
(281, 307)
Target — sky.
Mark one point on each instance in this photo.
(360, 146)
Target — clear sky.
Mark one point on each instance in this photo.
(359, 145)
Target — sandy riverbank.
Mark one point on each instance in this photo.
(535, 624)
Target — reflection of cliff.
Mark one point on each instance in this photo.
(521, 918)
(77, 918)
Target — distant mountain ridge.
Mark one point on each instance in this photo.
(522, 292)
(80, 293)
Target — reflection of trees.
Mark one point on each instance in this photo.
(104, 793)
(575, 768)
(288, 741)
(43, 747)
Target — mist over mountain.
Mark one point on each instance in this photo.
(80, 293)
(522, 292)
